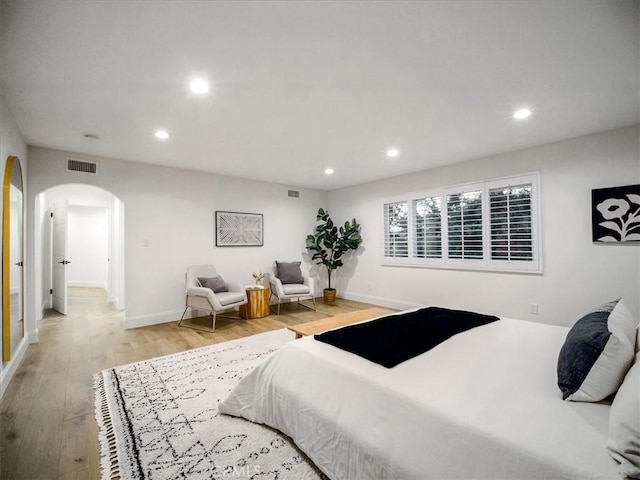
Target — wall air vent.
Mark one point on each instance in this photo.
(82, 166)
(294, 193)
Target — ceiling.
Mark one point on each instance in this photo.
(297, 87)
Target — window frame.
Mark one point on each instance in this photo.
(487, 263)
(387, 236)
(414, 225)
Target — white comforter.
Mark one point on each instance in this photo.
(483, 404)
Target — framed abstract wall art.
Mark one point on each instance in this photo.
(615, 214)
(235, 229)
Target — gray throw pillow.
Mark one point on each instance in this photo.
(597, 353)
(289, 272)
(214, 283)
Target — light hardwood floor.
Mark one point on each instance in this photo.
(48, 428)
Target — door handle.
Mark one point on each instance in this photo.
(64, 262)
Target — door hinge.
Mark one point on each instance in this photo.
(51, 214)
(51, 291)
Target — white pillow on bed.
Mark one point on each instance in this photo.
(597, 353)
(623, 443)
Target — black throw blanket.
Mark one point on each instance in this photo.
(394, 339)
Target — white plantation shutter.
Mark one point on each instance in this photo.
(464, 225)
(396, 229)
(490, 225)
(427, 227)
(511, 223)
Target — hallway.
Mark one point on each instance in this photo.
(48, 429)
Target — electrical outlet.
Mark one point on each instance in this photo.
(533, 309)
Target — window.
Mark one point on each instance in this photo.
(464, 225)
(491, 225)
(427, 227)
(395, 224)
(511, 226)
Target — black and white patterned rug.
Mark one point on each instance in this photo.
(159, 419)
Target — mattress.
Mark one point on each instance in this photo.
(483, 404)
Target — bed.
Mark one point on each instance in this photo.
(483, 404)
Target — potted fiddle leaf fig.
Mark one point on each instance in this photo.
(329, 243)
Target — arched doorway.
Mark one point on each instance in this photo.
(12, 259)
(79, 242)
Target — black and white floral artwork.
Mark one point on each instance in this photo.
(615, 214)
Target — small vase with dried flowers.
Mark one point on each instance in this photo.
(258, 277)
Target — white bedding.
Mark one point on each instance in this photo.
(483, 404)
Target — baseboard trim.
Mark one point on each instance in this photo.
(33, 336)
(9, 370)
(137, 321)
(116, 302)
(381, 301)
(87, 284)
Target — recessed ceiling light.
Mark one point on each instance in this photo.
(393, 153)
(522, 113)
(328, 171)
(161, 134)
(198, 85)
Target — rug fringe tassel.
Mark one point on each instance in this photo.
(108, 448)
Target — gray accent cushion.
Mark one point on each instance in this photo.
(289, 272)
(623, 443)
(214, 283)
(294, 288)
(597, 353)
(227, 298)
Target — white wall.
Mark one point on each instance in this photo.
(88, 246)
(116, 254)
(11, 143)
(578, 274)
(172, 210)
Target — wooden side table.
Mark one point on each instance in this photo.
(257, 305)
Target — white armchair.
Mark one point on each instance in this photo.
(287, 283)
(230, 295)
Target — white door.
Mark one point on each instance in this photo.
(59, 257)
